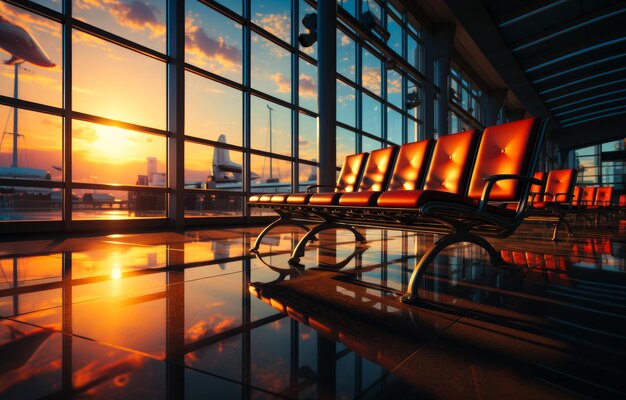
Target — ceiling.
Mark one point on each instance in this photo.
(570, 53)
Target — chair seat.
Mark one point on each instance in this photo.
(363, 199)
(325, 199)
(260, 198)
(280, 198)
(418, 198)
(299, 198)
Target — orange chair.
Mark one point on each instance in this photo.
(557, 201)
(349, 177)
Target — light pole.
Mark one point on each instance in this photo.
(270, 109)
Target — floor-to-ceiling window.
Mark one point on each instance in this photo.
(85, 114)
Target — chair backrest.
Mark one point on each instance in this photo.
(411, 163)
(587, 196)
(578, 193)
(603, 196)
(537, 190)
(560, 185)
(351, 172)
(622, 200)
(451, 162)
(378, 169)
(510, 148)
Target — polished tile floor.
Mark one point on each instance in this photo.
(193, 315)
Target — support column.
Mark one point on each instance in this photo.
(176, 113)
(327, 91)
(67, 121)
(491, 103)
(439, 46)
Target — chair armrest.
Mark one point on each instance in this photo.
(311, 187)
(491, 180)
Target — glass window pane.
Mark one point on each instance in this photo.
(346, 55)
(372, 72)
(40, 77)
(28, 204)
(394, 88)
(346, 104)
(369, 144)
(308, 138)
(306, 8)
(213, 41)
(274, 175)
(271, 68)
(346, 144)
(140, 21)
(307, 176)
(273, 16)
(395, 30)
(208, 167)
(372, 115)
(270, 127)
(234, 5)
(107, 154)
(394, 126)
(117, 204)
(53, 4)
(213, 205)
(348, 5)
(134, 90)
(412, 131)
(213, 110)
(38, 154)
(308, 86)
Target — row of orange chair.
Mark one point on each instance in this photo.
(453, 186)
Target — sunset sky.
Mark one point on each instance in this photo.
(112, 82)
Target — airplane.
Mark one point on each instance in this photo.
(25, 173)
(21, 45)
(225, 170)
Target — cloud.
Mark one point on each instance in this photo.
(86, 133)
(213, 325)
(345, 40)
(137, 15)
(201, 45)
(371, 79)
(283, 84)
(394, 85)
(277, 24)
(308, 88)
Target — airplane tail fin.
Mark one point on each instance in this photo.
(220, 156)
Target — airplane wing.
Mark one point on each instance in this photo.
(13, 60)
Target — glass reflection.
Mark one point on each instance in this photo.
(134, 90)
(116, 204)
(394, 88)
(140, 21)
(222, 117)
(394, 126)
(213, 41)
(270, 68)
(37, 69)
(275, 174)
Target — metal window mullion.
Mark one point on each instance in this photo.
(67, 122)
(295, 99)
(247, 82)
(175, 73)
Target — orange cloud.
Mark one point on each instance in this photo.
(215, 324)
(277, 24)
(371, 79)
(308, 88)
(201, 45)
(283, 84)
(137, 15)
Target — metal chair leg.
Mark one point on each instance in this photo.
(279, 221)
(494, 256)
(298, 251)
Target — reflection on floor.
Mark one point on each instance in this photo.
(164, 315)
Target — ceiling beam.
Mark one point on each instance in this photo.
(589, 133)
(483, 31)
